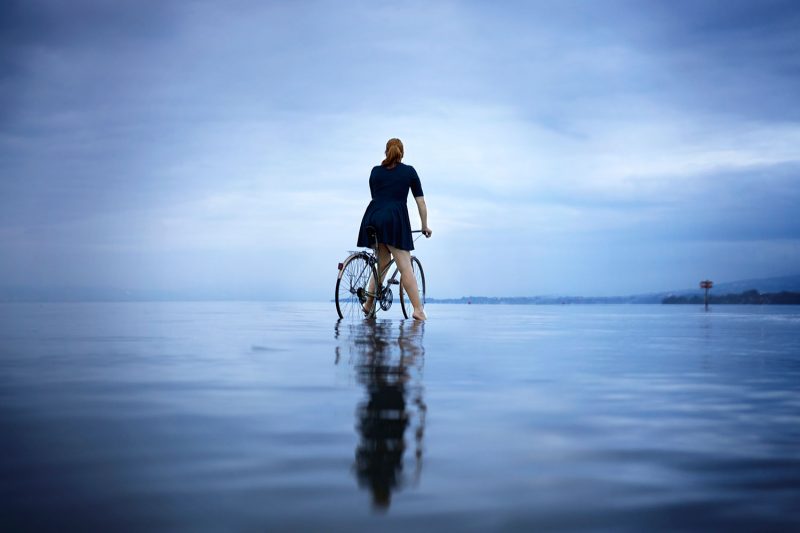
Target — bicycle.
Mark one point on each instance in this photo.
(355, 273)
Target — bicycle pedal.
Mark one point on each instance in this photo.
(394, 282)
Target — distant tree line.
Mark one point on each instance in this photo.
(751, 297)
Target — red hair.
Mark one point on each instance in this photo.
(394, 153)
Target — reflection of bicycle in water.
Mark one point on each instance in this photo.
(356, 283)
(388, 361)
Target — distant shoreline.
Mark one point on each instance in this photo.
(750, 297)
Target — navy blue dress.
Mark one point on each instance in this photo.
(387, 212)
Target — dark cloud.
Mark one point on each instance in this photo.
(734, 57)
(738, 58)
(55, 43)
(56, 24)
(79, 127)
(758, 203)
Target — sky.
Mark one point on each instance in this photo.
(564, 147)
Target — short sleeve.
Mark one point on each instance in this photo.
(416, 185)
(371, 186)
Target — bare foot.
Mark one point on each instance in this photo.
(419, 315)
(367, 306)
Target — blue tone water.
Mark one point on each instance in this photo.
(270, 417)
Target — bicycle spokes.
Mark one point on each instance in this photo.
(352, 286)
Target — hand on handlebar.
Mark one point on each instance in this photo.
(427, 232)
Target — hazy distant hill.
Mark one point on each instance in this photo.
(762, 285)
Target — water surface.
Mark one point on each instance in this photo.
(269, 417)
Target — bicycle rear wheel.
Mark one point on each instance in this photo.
(352, 285)
(419, 275)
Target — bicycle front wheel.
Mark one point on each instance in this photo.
(352, 286)
(419, 275)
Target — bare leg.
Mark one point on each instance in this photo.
(384, 256)
(407, 279)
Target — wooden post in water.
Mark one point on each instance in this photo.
(706, 284)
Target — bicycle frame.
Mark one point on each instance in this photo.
(380, 286)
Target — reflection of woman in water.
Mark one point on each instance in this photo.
(387, 362)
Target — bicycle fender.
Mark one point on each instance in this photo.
(348, 258)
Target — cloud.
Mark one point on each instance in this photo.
(193, 142)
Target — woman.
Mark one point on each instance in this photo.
(389, 184)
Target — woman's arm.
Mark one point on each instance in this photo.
(423, 215)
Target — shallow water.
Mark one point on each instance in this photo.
(267, 417)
